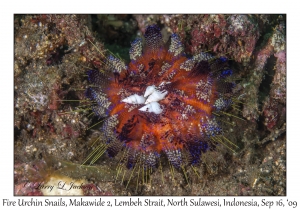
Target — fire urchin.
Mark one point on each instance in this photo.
(162, 104)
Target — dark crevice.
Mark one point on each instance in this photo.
(265, 85)
(56, 57)
(72, 95)
(17, 133)
(116, 34)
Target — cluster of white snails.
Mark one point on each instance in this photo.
(151, 97)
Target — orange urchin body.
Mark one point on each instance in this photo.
(169, 120)
(162, 103)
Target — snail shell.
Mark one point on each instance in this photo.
(149, 90)
(152, 107)
(134, 99)
(156, 96)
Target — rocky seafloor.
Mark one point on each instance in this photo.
(52, 127)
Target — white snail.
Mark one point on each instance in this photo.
(152, 107)
(134, 99)
(156, 96)
(153, 96)
(149, 90)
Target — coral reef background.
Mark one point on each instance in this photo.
(53, 133)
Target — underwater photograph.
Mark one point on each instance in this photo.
(149, 104)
